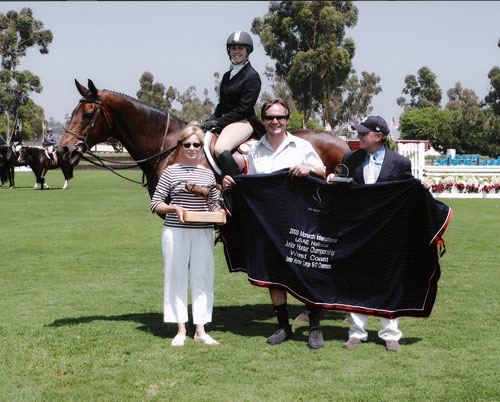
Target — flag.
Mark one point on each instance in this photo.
(394, 123)
(366, 249)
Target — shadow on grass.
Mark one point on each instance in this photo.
(244, 320)
(250, 320)
(34, 189)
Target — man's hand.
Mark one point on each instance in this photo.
(228, 183)
(300, 170)
(330, 177)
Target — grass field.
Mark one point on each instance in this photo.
(81, 309)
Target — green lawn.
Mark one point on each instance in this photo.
(81, 304)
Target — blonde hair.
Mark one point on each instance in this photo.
(192, 128)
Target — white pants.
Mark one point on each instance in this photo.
(188, 256)
(389, 331)
(232, 135)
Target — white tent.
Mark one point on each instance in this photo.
(431, 152)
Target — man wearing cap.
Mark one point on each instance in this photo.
(372, 163)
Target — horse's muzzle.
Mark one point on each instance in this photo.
(74, 157)
(82, 147)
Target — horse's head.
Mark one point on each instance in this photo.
(89, 124)
(23, 155)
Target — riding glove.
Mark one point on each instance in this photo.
(208, 125)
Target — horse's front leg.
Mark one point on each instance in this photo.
(44, 184)
(11, 179)
(65, 184)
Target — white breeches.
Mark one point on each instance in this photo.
(232, 135)
(389, 331)
(188, 256)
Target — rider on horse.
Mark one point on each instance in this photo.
(16, 140)
(49, 141)
(235, 113)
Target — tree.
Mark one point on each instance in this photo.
(155, 93)
(468, 131)
(280, 89)
(423, 90)
(18, 33)
(192, 107)
(353, 101)
(461, 98)
(492, 99)
(306, 38)
(431, 124)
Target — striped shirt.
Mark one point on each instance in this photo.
(171, 190)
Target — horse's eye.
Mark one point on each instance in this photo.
(88, 115)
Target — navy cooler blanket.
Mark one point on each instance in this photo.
(366, 249)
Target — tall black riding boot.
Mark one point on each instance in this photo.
(227, 164)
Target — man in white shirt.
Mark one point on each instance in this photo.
(277, 150)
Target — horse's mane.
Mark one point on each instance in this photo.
(146, 105)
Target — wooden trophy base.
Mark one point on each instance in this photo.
(216, 217)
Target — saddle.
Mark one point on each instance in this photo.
(52, 156)
(239, 153)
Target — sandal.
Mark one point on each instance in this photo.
(206, 339)
(178, 340)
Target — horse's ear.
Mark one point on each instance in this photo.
(93, 89)
(83, 91)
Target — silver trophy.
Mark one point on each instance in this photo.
(339, 175)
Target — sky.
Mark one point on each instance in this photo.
(182, 43)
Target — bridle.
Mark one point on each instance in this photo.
(83, 148)
(90, 130)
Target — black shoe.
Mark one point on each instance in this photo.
(280, 335)
(315, 338)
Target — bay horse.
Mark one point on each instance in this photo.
(8, 159)
(39, 162)
(149, 134)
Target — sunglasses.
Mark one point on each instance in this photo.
(187, 145)
(271, 118)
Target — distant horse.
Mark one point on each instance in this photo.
(149, 134)
(8, 158)
(39, 162)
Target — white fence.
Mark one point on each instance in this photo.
(415, 152)
(443, 171)
(435, 174)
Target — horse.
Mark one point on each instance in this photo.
(8, 160)
(39, 162)
(149, 134)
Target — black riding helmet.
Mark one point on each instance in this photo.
(240, 38)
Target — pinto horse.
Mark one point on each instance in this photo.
(39, 162)
(150, 135)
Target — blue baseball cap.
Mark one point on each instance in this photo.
(372, 123)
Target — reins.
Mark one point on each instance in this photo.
(100, 162)
(126, 165)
